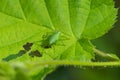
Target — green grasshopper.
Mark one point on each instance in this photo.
(51, 39)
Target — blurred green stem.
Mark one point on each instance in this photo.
(77, 63)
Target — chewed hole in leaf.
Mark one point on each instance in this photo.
(14, 56)
(27, 46)
(35, 53)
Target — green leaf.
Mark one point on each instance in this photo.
(101, 17)
(23, 21)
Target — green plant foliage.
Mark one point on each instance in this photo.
(27, 21)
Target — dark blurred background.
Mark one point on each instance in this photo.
(109, 43)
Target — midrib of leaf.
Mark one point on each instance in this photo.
(39, 4)
(88, 15)
(49, 16)
(19, 19)
(22, 11)
(70, 20)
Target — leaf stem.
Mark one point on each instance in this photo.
(105, 55)
(78, 63)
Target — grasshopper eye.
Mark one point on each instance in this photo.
(35, 53)
(27, 46)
